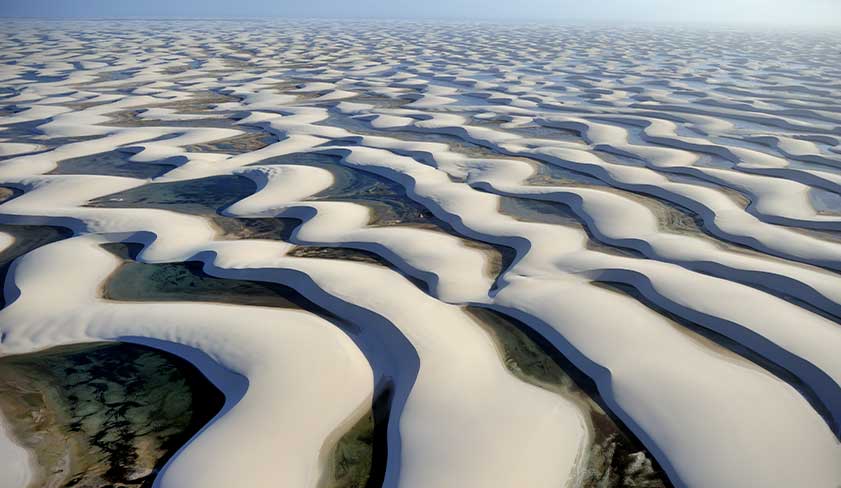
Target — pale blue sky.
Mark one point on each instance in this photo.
(779, 12)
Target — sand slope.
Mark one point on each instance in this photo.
(660, 207)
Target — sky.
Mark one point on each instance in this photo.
(768, 12)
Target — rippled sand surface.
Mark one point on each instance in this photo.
(417, 255)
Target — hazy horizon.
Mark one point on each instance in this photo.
(440, 244)
(818, 13)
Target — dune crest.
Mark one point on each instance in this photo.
(440, 255)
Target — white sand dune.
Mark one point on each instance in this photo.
(274, 351)
(16, 459)
(661, 207)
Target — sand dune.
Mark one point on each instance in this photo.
(658, 209)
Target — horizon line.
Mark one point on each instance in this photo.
(614, 22)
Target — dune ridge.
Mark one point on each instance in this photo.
(685, 257)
